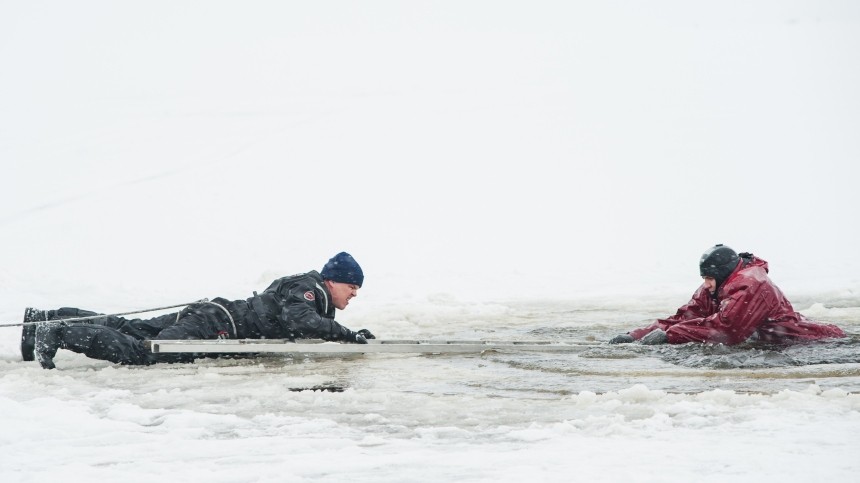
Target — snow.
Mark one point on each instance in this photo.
(499, 169)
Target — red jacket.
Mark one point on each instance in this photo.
(747, 303)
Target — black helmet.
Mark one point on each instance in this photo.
(718, 262)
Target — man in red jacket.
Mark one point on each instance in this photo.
(737, 300)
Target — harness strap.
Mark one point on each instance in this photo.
(229, 316)
(224, 309)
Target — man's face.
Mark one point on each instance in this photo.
(341, 293)
(710, 283)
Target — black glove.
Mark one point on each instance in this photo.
(366, 333)
(621, 339)
(361, 336)
(655, 337)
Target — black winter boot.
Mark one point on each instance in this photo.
(49, 338)
(28, 332)
(70, 312)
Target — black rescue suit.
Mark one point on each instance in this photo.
(294, 307)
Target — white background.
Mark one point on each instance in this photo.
(504, 148)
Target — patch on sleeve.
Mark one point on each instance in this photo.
(309, 296)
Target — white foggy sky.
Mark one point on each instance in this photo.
(530, 148)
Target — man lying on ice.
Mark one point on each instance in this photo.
(296, 307)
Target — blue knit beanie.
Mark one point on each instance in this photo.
(344, 269)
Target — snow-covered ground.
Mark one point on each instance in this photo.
(499, 169)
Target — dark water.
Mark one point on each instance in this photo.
(687, 368)
(599, 368)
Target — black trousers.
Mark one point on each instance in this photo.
(121, 340)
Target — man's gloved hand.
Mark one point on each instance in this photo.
(367, 334)
(655, 337)
(621, 339)
(361, 336)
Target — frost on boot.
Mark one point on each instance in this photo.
(28, 332)
(49, 338)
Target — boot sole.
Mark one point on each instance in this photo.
(28, 343)
(28, 334)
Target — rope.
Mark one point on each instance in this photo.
(232, 322)
(91, 317)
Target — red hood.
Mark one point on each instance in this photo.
(752, 262)
(757, 262)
